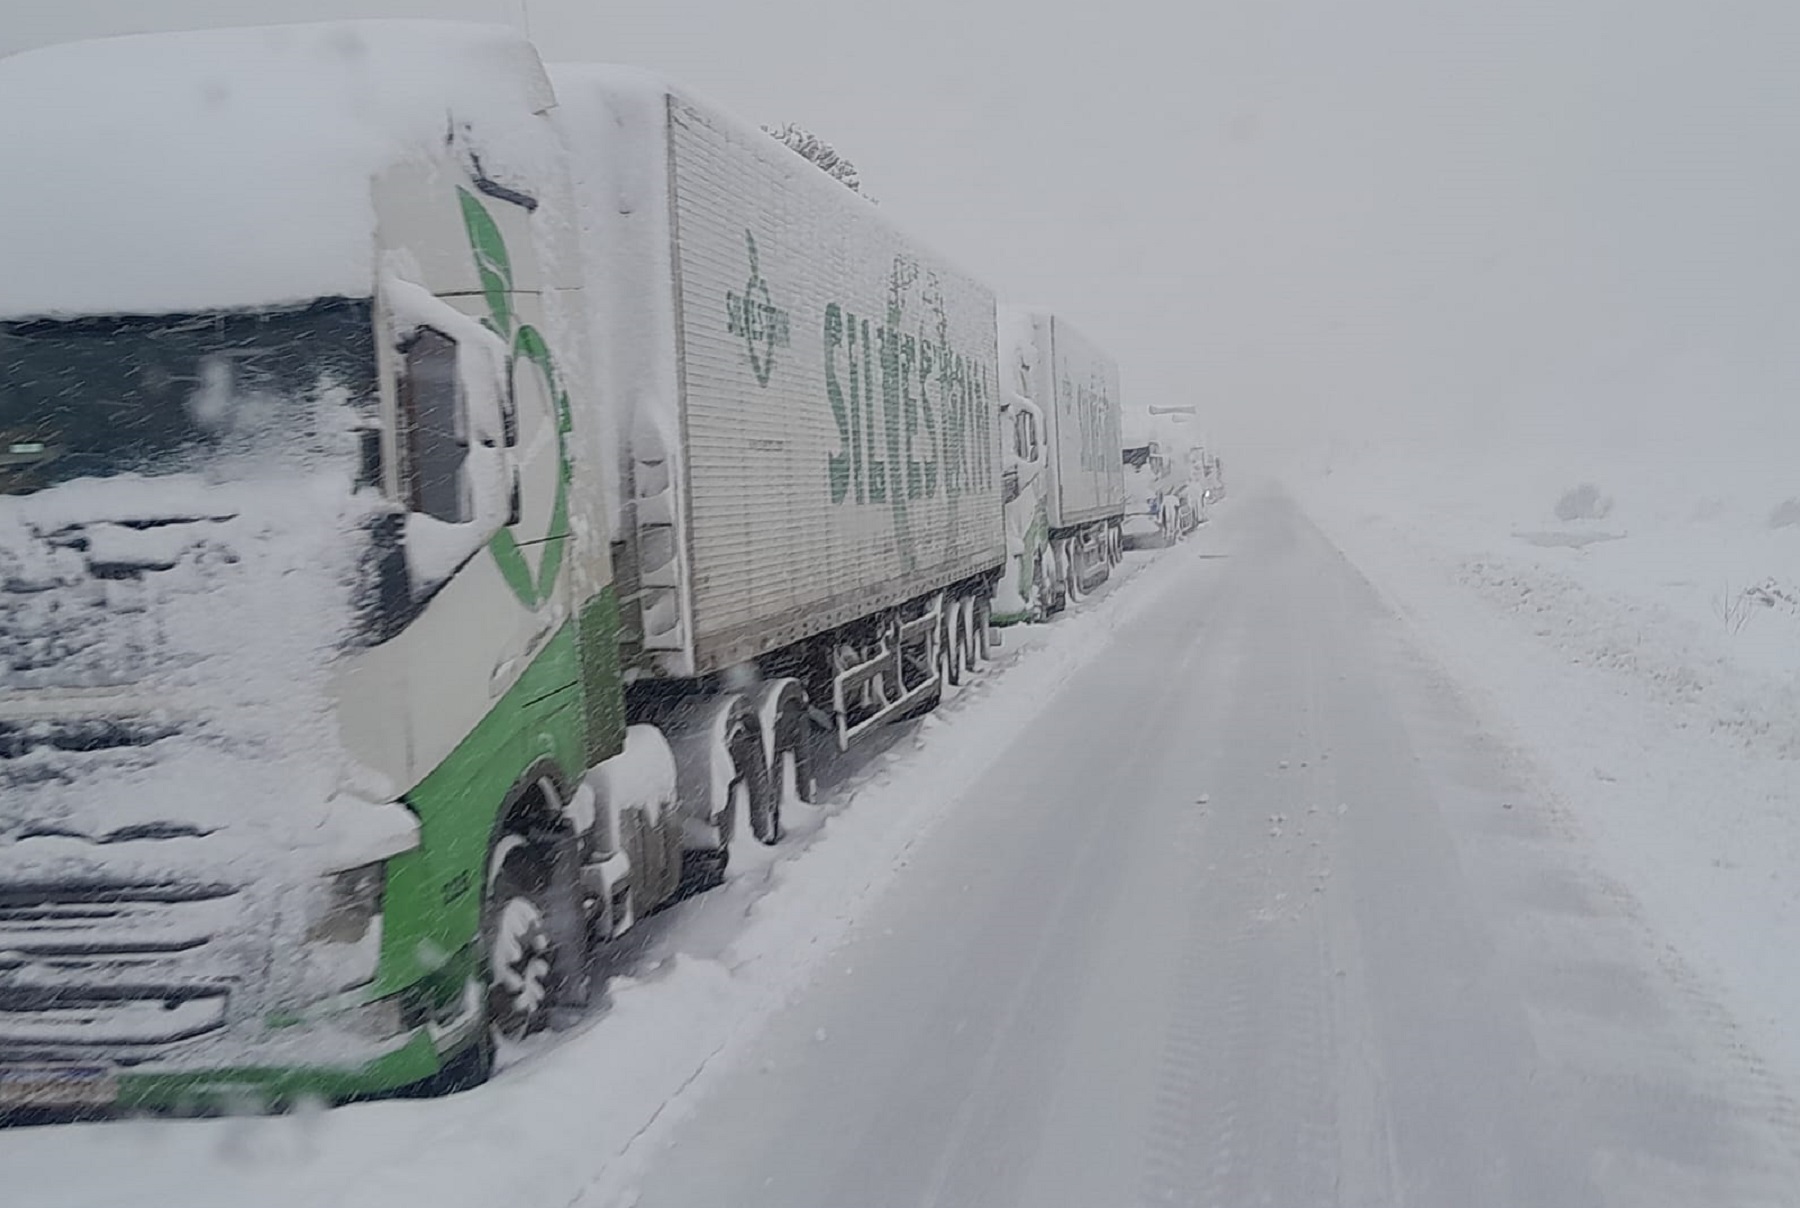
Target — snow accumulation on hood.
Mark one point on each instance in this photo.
(166, 651)
(232, 168)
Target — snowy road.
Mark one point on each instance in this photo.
(1256, 913)
(1216, 894)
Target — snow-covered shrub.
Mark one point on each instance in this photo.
(1786, 514)
(823, 155)
(1584, 502)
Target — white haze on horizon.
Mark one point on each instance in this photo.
(1536, 225)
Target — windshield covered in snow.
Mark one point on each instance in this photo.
(181, 562)
(99, 397)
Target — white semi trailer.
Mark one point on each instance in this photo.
(431, 519)
(1065, 485)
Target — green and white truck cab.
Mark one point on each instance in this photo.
(305, 632)
(433, 520)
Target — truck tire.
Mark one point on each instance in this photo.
(729, 731)
(1071, 569)
(1056, 591)
(953, 655)
(782, 708)
(520, 959)
(979, 650)
(968, 641)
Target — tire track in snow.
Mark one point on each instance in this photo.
(1247, 1113)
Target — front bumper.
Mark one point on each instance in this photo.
(339, 1056)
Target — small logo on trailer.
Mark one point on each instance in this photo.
(754, 316)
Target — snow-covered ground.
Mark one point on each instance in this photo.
(1224, 889)
(1634, 615)
(572, 1118)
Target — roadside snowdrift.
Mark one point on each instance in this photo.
(1631, 612)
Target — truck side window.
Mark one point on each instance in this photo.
(1025, 440)
(435, 428)
(509, 406)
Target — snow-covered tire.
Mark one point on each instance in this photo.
(519, 956)
(781, 705)
(969, 641)
(704, 870)
(730, 727)
(1056, 577)
(1071, 564)
(956, 664)
(946, 682)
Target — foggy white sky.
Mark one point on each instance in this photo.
(1568, 217)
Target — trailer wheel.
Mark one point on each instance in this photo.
(747, 797)
(969, 641)
(948, 677)
(781, 705)
(955, 640)
(516, 939)
(1055, 590)
(1071, 568)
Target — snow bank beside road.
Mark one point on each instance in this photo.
(1666, 721)
(575, 1120)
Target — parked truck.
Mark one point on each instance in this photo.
(432, 519)
(1064, 483)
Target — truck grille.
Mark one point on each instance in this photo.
(111, 967)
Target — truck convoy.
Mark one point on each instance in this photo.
(441, 500)
(1064, 485)
(1170, 479)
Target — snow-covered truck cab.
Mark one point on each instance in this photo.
(305, 643)
(1028, 588)
(1150, 513)
(1065, 488)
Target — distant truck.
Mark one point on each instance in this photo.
(1155, 516)
(1212, 477)
(1064, 487)
(431, 519)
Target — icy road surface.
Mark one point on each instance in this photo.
(1218, 893)
(1256, 914)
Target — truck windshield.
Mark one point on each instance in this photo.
(96, 397)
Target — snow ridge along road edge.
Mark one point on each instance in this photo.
(1690, 817)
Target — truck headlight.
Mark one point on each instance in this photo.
(352, 903)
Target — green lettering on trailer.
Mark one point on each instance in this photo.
(912, 413)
